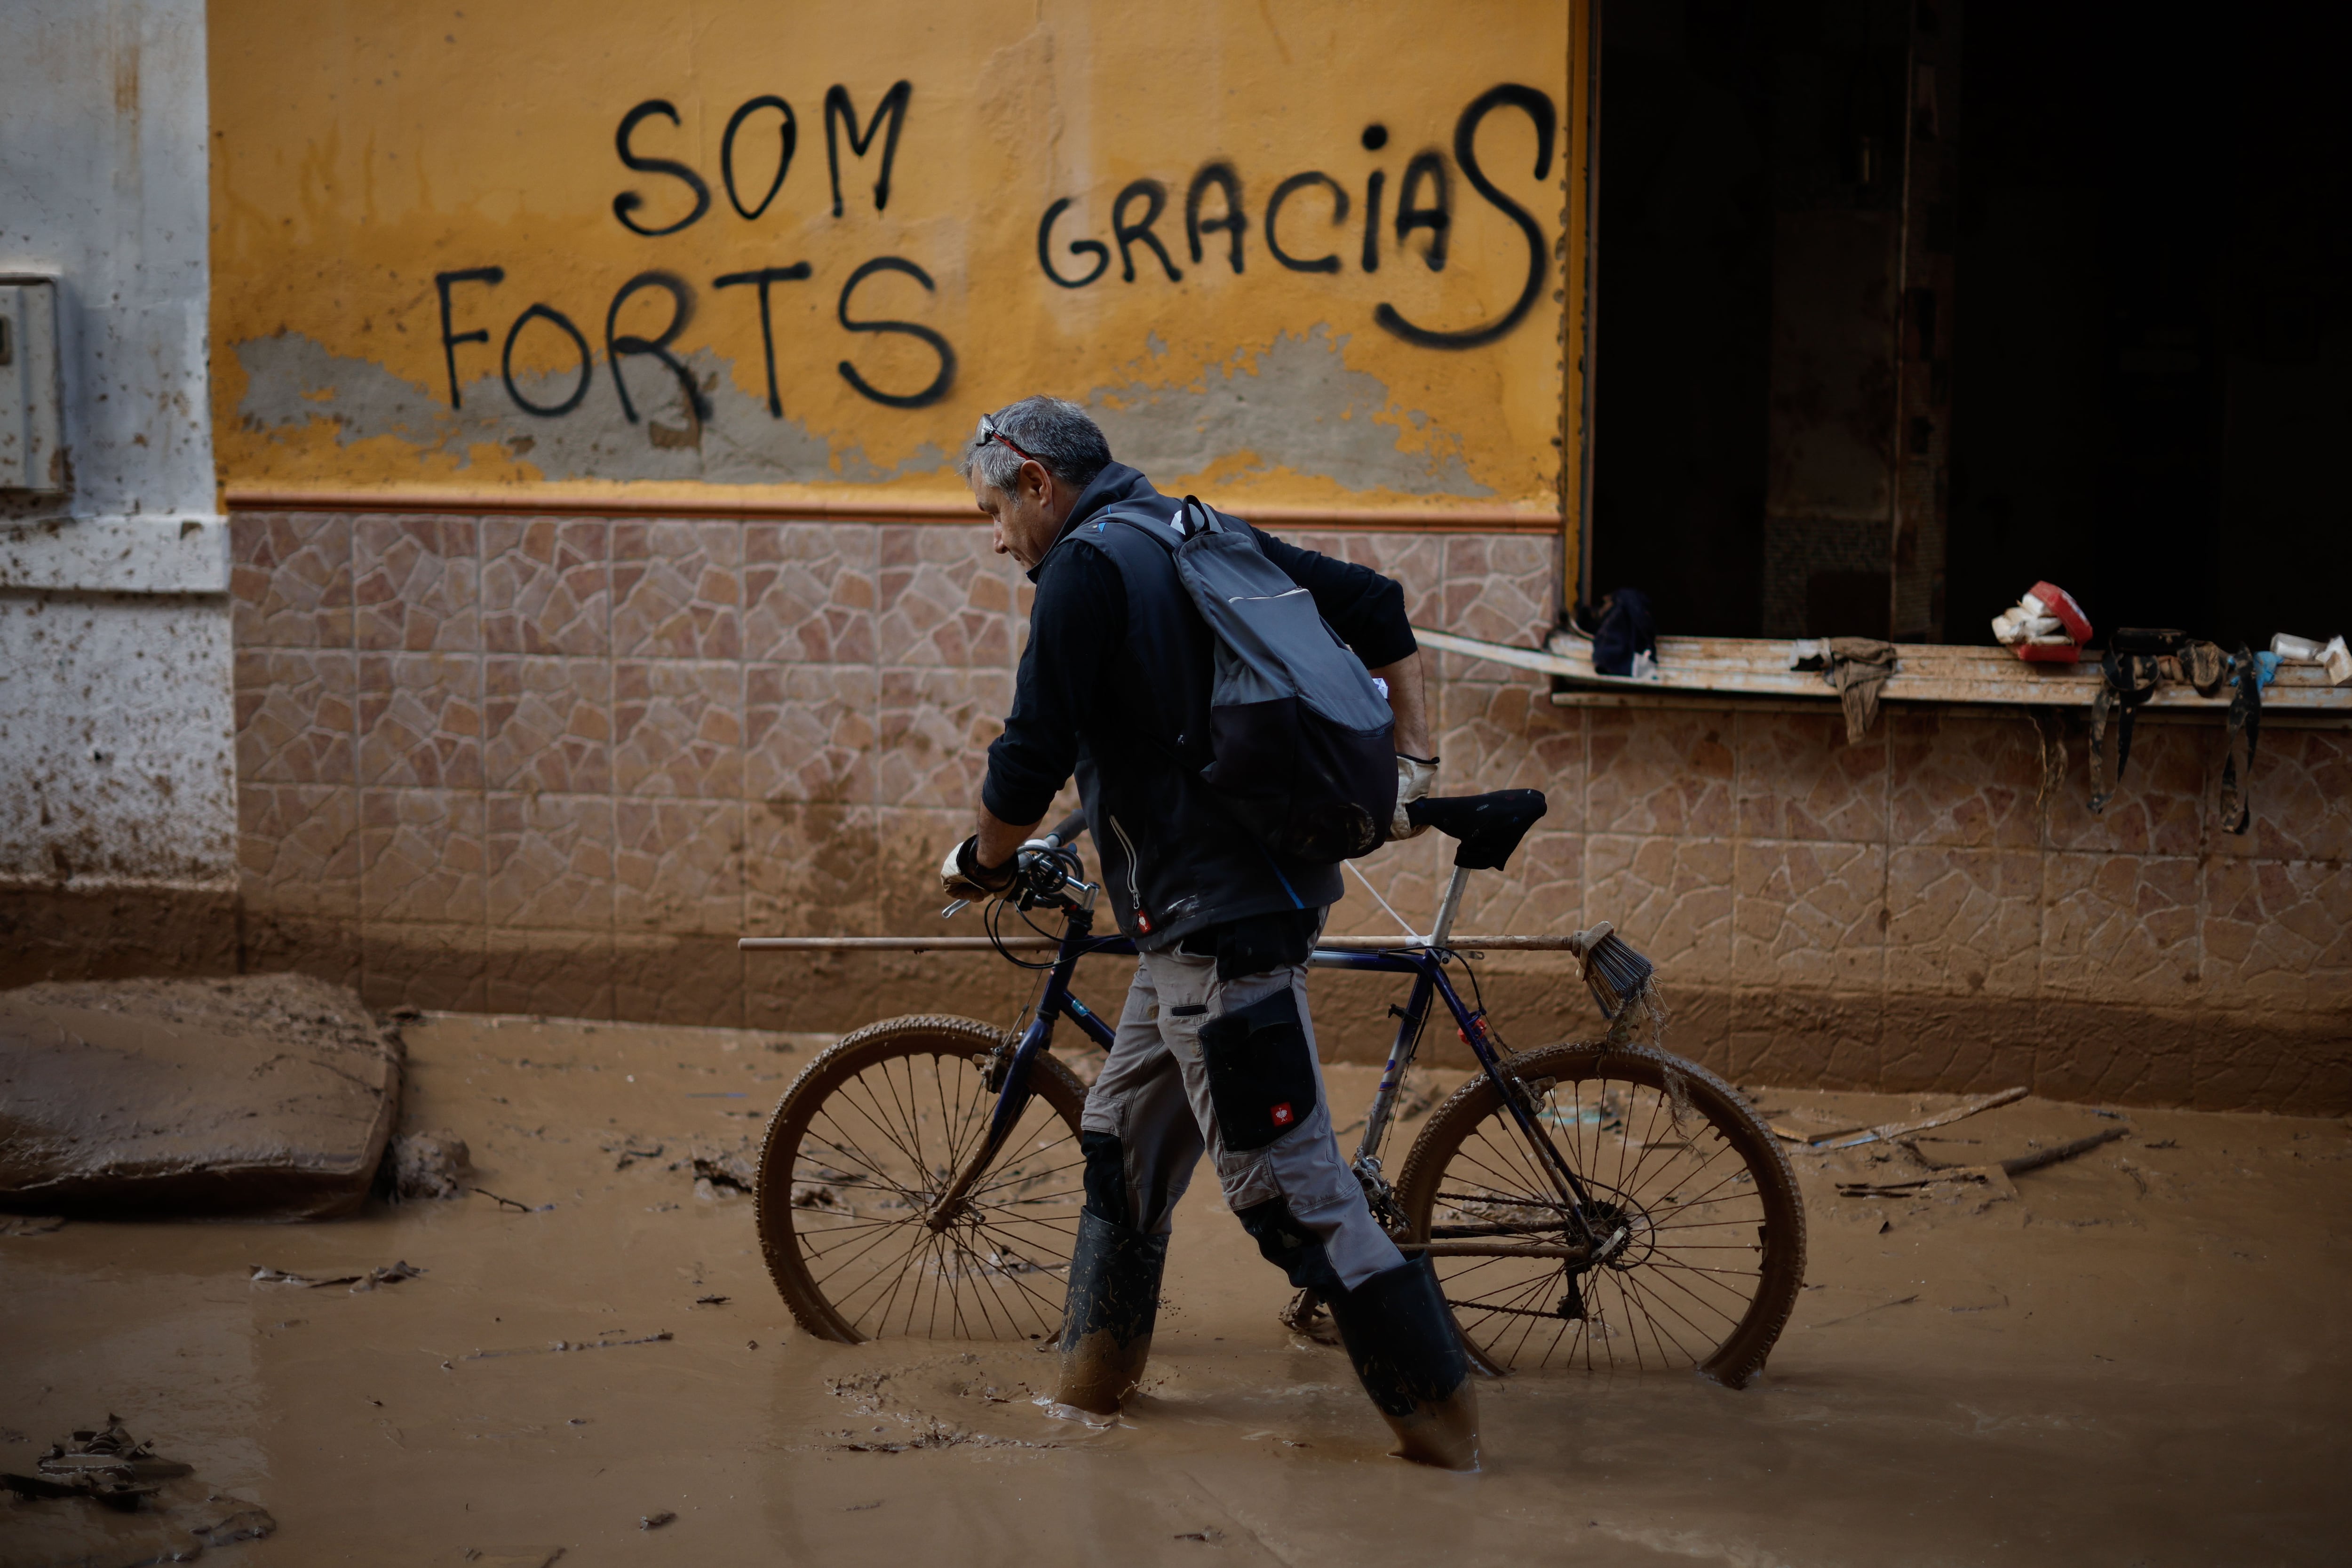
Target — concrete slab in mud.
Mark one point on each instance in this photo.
(268, 1096)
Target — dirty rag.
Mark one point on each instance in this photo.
(1858, 668)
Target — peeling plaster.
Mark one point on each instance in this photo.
(1294, 404)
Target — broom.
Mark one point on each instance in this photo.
(1613, 972)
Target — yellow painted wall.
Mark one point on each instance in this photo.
(362, 149)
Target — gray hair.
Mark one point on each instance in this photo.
(1065, 441)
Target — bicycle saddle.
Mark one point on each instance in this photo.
(1489, 826)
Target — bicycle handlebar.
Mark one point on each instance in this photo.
(1066, 832)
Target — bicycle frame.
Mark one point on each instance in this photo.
(1426, 963)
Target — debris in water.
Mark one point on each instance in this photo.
(1209, 1536)
(509, 1203)
(655, 1520)
(429, 1165)
(1854, 1137)
(390, 1274)
(628, 1153)
(568, 1345)
(108, 1467)
(711, 1300)
(30, 1224)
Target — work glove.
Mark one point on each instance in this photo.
(1415, 775)
(962, 876)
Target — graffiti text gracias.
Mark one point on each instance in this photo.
(1217, 216)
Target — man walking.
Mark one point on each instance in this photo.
(1214, 1049)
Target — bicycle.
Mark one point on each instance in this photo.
(1587, 1203)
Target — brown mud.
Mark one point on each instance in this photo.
(2140, 1357)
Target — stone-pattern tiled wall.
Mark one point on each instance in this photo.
(559, 765)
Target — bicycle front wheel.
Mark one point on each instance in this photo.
(865, 1140)
(1714, 1250)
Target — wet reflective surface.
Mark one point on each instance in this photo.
(2140, 1357)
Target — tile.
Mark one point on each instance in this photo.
(548, 973)
(2301, 798)
(1963, 921)
(1805, 1038)
(291, 579)
(1797, 778)
(1506, 735)
(810, 592)
(548, 861)
(2159, 808)
(420, 721)
(1660, 771)
(546, 585)
(677, 729)
(548, 724)
(943, 599)
(677, 590)
(270, 943)
(909, 844)
(671, 979)
(934, 727)
(1810, 915)
(2277, 932)
(2120, 928)
(415, 584)
(421, 856)
(809, 732)
(1501, 588)
(815, 871)
(1539, 893)
(1671, 898)
(1973, 781)
(296, 715)
(298, 851)
(677, 867)
(430, 965)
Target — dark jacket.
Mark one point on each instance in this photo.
(1115, 685)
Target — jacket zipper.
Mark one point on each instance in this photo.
(1134, 890)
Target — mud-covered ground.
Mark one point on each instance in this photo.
(2139, 1358)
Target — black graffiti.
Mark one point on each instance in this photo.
(681, 298)
(1126, 233)
(1437, 217)
(1234, 224)
(940, 383)
(628, 202)
(1283, 192)
(837, 107)
(1538, 106)
(761, 278)
(442, 283)
(1424, 206)
(789, 135)
(505, 363)
(1094, 248)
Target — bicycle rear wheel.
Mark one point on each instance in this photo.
(1715, 1248)
(863, 1142)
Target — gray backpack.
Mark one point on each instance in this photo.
(1303, 746)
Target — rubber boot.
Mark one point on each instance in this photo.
(1409, 1356)
(1107, 1327)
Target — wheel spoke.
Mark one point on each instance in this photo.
(1680, 1173)
(868, 1147)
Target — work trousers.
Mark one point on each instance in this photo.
(1160, 1095)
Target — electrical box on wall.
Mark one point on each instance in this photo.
(32, 435)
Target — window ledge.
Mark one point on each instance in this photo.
(1923, 672)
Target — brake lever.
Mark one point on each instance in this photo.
(955, 909)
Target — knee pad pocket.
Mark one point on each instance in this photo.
(1106, 1178)
(1261, 1070)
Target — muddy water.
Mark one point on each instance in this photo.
(2141, 1358)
